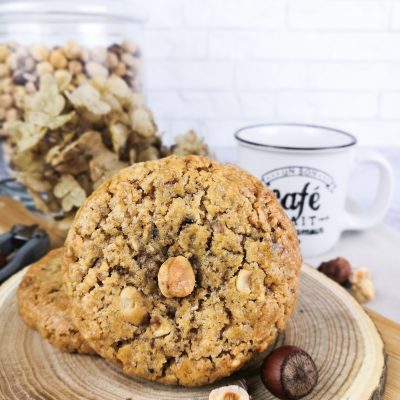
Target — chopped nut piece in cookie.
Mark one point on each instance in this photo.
(176, 277)
(362, 287)
(243, 281)
(161, 327)
(132, 306)
(231, 392)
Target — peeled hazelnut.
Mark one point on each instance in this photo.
(11, 114)
(75, 67)
(243, 281)
(72, 50)
(43, 68)
(4, 52)
(132, 306)
(57, 59)
(289, 373)
(362, 287)
(94, 69)
(130, 46)
(6, 101)
(176, 277)
(338, 270)
(231, 392)
(40, 52)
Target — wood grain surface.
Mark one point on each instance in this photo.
(390, 332)
(327, 323)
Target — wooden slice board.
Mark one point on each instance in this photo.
(328, 323)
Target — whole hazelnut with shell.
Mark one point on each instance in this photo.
(289, 373)
(338, 269)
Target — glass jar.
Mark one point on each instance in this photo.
(87, 39)
(70, 112)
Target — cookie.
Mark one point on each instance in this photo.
(44, 306)
(181, 270)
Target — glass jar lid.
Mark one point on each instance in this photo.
(124, 11)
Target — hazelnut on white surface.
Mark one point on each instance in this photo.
(231, 392)
(362, 287)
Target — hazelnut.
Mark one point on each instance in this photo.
(44, 68)
(30, 87)
(132, 305)
(129, 46)
(120, 69)
(4, 52)
(57, 59)
(40, 52)
(289, 373)
(72, 50)
(362, 287)
(75, 67)
(6, 101)
(11, 115)
(96, 70)
(243, 281)
(4, 70)
(99, 55)
(128, 59)
(176, 277)
(161, 327)
(231, 392)
(338, 270)
(112, 60)
(12, 61)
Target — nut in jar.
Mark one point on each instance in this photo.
(22, 67)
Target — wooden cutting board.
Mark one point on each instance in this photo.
(328, 323)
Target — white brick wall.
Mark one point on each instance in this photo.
(217, 65)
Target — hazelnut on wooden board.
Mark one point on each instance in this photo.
(231, 392)
(338, 269)
(362, 287)
(289, 373)
(176, 277)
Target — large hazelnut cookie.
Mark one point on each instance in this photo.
(44, 306)
(181, 270)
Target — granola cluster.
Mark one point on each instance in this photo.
(71, 138)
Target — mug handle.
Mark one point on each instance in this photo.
(374, 214)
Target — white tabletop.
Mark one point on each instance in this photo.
(376, 249)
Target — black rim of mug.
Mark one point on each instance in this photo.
(271, 146)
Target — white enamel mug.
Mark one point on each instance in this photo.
(309, 169)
